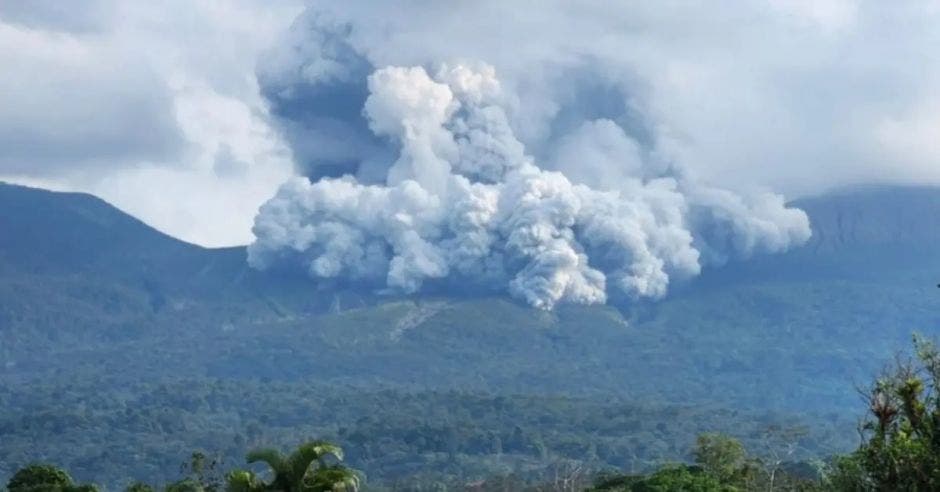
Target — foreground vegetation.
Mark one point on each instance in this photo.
(122, 350)
(900, 451)
(399, 438)
(313, 467)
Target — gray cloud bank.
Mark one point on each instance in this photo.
(153, 106)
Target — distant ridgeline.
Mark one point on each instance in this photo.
(111, 329)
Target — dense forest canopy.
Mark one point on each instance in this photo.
(900, 451)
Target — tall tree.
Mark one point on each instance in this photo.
(295, 473)
(44, 478)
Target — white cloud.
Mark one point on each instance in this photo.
(137, 102)
(69, 104)
(828, 15)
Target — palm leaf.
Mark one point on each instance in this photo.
(307, 453)
(320, 449)
(243, 481)
(334, 478)
(272, 457)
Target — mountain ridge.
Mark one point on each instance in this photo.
(153, 289)
(47, 226)
(161, 339)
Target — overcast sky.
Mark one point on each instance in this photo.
(173, 110)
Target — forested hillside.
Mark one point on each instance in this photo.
(118, 341)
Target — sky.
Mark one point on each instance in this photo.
(192, 114)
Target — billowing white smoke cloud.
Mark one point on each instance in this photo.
(463, 202)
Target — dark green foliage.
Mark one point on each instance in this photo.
(185, 485)
(44, 478)
(332, 478)
(243, 481)
(679, 478)
(294, 472)
(202, 474)
(39, 477)
(312, 467)
(848, 474)
(902, 450)
(143, 431)
(138, 487)
(721, 464)
(667, 479)
(725, 460)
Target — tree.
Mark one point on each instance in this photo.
(201, 475)
(138, 487)
(293, 473)
(724, 458)
(721, 464)
(44, 478)
(782, 443)
(902, 431)
(666, 479)
(333, 478)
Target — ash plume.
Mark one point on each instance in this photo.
(436, 172)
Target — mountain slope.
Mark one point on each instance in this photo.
(46, 232)
(91, 298)
(871, 233)
(53, 243)
(82, 272)
(874, 218)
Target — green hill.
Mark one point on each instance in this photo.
(98, 306)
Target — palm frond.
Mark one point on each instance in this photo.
(334, 478)
(243, 481)
(272, 457)
(307, 453)
(321, 448)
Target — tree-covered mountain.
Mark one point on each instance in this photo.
(99, 305)
(78, 273)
